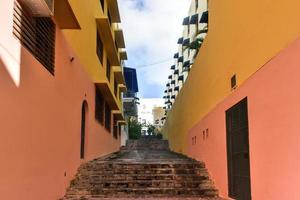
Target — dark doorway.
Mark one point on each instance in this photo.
(238, 151)
(83, 128)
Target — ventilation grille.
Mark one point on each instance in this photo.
(36, 34)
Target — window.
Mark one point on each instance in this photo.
(102, 4)
(108, 69)
(115, 131)
(99, 106)
(109, 18)
(107, 117)
(36, 34)
(233, 82)
(99, 48)
(116, 89)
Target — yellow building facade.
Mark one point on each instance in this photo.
(100, 23)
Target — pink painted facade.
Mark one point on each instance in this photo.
(40, 117)
(273, 115)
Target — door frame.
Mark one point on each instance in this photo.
(84, 116)
(229, 147)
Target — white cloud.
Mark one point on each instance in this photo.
(152, 28)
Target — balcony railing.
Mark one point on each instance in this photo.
(129, 94)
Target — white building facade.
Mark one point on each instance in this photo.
(194, 31)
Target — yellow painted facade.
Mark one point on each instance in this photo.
(242, 37)
(93, 20)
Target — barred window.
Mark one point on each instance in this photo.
(36, 34)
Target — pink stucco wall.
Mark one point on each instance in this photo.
(274, 115)
(40, 119)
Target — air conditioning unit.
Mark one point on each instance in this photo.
(39, 8)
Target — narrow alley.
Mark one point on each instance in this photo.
(149, 99)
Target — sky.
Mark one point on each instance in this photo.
(151, 30)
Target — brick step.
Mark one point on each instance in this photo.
(152, 192)
(142, 184)
(148, 171)
(148, 161)
(140, 198)
(141, 174)
(149, 177)
(104, 166)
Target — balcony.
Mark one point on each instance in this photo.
(186, 42)
(64, 15)
(194, 19)
(122, 88)
(118, 115)
(106, 34)
(180, 40)
(204, 17)
(186, 21)
(119, 37)
(181, 78)
(123, 54)
(118, 74)
(129, 94)
(39, 8)
(108, 95)
(114, 11)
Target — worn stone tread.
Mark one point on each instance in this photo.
(141, 173)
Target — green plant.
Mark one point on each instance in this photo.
(196, 44)
(151, 129)
(159, 136)
(134, 129)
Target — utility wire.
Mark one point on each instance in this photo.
(152, 64)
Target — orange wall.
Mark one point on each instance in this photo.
(40, 119)
(274, 113)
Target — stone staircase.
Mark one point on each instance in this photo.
(141, 174)
(146, 143)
